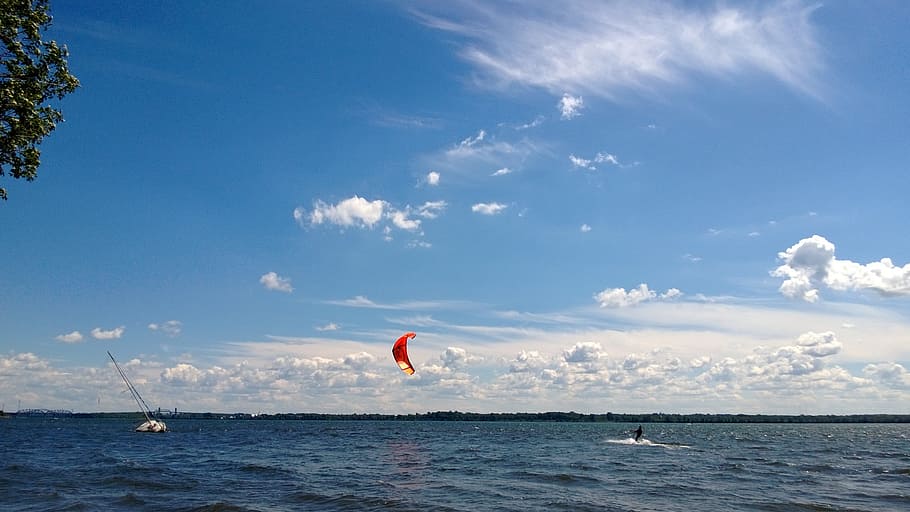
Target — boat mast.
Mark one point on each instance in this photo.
(136, 396)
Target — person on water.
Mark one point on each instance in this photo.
(638, 433)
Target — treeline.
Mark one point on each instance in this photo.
(567, 417)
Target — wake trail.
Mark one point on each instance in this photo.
(645, 442)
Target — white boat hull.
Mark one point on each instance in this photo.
(152, 426)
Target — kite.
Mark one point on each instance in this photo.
(400, 353)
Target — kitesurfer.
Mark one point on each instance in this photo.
(638, 433)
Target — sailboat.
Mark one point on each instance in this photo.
(150, 424)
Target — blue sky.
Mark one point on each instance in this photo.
(589, 206)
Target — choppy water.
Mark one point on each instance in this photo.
(87, 464)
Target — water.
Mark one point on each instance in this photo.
(213, 465)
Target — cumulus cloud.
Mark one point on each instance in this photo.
(528, 360)
(274, 282)
(456, 358)
(620, 298)
(570, 106)
(810, 264)
(584, 352)
(73, 337)
(819, 344)
(639, 46)
(401, 220)
(433, 178)
(585, 228)
(488, 208)
(891, 374)
(113, 334)
(362, 213)
(352, 212)
(171, 328)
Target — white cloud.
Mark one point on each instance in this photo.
(419, 244)
(331, 326)
(585, 228)
(352, 212)
(810, 264)
(584, 352)
(433, 178)
(401, 220)
(599, 158)
(819, 344)
(670, 294)
(171, 328)
(502, 172)
(274, 282)
(582, 163)
(606, 158)
(73, 337)
(431, 209)
(704, 357)
(640, 46)
(457, 358)
(488, 208)
(570, 106)
(620, 298)
(473, 141)
(359, 212)
(360, 301)
(891, 374)
(113, 334)
(533, 124)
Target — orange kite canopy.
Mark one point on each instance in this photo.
(400, 353)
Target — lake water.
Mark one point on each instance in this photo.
(271, 465)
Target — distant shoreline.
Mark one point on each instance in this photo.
(564, 417)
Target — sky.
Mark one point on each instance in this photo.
(590, 206)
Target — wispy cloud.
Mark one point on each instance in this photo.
(537, 121)
(489, 208)
(476, 154)
(274, 282)
(385, 117)
(172, 328)
(614, 47)
(589, 164)
(570, 106)
(331, 326)
(361, 301)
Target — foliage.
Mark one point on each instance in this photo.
(33, 73)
